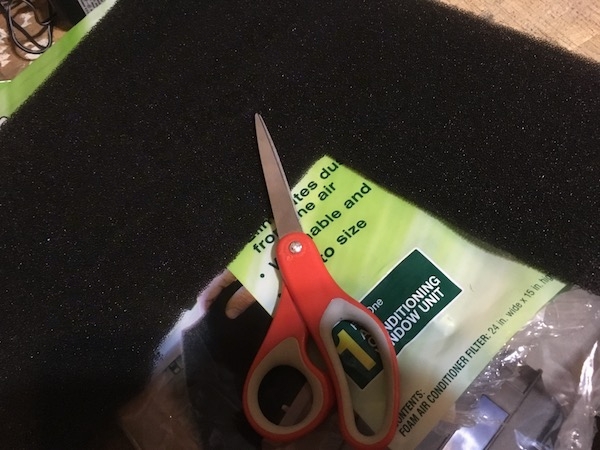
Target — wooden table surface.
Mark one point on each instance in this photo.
(571, 24)
(14, 60)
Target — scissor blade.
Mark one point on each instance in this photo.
(286, 218)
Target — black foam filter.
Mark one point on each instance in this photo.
(132, 177)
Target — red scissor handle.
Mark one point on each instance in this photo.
(285, 345)
(322, 304)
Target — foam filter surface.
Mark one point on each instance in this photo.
(131, 178)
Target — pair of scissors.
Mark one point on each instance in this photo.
(311, 304)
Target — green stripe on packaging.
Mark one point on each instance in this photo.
(14, 93)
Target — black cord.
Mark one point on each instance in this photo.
(8, 8)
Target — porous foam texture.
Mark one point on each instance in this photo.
(132, 176)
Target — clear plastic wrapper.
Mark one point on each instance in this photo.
(541, 389)
(539, 392)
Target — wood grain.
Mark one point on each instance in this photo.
(571, 24)
(13, 60)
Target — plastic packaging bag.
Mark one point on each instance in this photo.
(541, 391)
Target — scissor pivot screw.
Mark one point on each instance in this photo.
(295, 247)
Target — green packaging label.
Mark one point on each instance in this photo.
(448, 304)
(405, 301)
